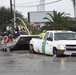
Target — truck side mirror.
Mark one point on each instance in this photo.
(49, 39)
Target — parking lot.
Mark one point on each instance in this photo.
(24, 63)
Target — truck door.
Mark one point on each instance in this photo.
(49, 43)
(43, 45)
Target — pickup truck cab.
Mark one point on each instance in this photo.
(55, 42)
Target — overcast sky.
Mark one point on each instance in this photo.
(61, 6)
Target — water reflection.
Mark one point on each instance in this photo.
(62, 63)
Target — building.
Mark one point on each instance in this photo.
(36, 18)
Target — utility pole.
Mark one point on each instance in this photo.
(14, 16)
(42, 5)
(11, 13)
(74, 4)
(11, 6)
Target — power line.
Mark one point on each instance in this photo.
(28, 3)
(41, 4)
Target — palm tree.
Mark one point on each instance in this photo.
(56, 20)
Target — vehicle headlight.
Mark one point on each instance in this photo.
(61, 47)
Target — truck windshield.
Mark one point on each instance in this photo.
(65, 36)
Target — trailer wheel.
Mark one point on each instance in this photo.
(7, 49)
(4, 49)
(31, 49)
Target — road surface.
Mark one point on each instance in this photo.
(24, 63)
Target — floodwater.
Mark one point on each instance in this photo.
(24, 63)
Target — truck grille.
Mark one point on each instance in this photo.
(70, 47)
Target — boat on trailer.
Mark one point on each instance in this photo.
(19, 43)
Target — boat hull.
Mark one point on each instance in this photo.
(20, 43)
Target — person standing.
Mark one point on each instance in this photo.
(42, 34)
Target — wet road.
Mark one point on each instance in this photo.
(23, 63)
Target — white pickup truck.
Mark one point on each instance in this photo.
(55, 42)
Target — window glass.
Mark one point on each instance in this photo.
(51, 36)
(65, 36)
(46, 36)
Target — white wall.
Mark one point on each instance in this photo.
(38, 16)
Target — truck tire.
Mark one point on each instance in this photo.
(54, 52)
(31, 49)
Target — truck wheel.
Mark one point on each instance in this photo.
(54, 51)
(31, 49)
